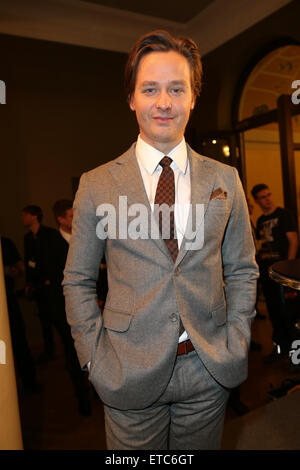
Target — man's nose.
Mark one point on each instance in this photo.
(164, 101)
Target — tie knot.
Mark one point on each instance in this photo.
(165, 162)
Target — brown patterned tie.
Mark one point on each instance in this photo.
(165, 194)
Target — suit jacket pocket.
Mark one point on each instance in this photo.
(219, 315)
(116, 321)
(218, 205)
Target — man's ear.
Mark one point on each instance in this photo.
(193, 102)
(131, 103)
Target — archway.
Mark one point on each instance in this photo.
(272, 77)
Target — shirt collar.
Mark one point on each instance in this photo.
(149, 157)
(65, 235)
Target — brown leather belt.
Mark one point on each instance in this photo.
(185, 347)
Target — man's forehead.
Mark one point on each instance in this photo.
(69, 212)
(159, 58)
(263, 191)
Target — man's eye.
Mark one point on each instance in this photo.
(177, 91)
(149, 91)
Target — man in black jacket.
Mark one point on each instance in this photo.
(38, 248)
(46, 250)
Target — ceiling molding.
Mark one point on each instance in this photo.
(169, 9)
(90, 25)
(223, 20)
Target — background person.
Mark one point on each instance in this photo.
(37, 248)
(63, 213)
(277, 232)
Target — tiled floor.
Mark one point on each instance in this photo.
(50, 419)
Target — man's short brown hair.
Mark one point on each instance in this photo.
(34, 210)
(257, 188)
(162, 41)
(61, 207)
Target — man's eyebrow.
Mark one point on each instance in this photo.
(172, 82)
(178, 82)
(149, 83)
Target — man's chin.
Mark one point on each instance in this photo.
(166, 137)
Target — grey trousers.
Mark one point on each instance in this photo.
(189, 414)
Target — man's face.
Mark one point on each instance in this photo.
(28, 219)
(163, 98)
(264, 199)
(66, 221)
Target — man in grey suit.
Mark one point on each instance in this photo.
(174, 335)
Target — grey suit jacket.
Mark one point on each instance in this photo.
(132, 346)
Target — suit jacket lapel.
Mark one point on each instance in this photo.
(202, 183)
(127, 175)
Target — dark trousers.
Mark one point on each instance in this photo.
(22, 354)
(274, 297)
(44, 312)
(51, 304)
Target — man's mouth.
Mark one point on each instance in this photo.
(163, 119)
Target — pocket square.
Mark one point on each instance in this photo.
(218, 194)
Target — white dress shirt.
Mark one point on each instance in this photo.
(148, 159)
(65, 235)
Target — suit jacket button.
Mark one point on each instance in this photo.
(173, 317)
